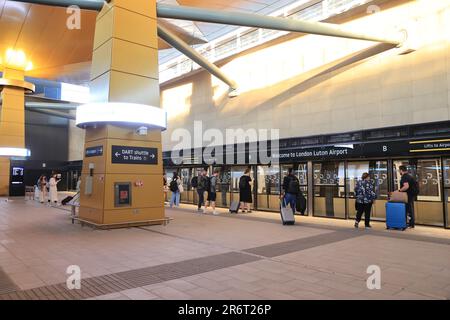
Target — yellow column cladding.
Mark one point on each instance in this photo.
(124, 69)
(12, 124)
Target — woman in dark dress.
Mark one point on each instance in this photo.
(245, 191)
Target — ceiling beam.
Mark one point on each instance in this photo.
(82, 4)
(268, 22)
(184, 48)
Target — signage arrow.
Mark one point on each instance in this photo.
(117, 154)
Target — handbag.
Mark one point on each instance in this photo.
(180, 188)
(398, 196)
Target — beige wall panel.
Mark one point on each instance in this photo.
(13, 74)
(12, 129)
(133, 169)
(115, 132)
(133, 89)
(104, 28)
(91, 214)
(148, 196)
(100, 88)
(101, 59)
(130, 26)
(14, 99)
(98, 187)
(136, 59)
(12, 115)
(130, 216)
(99, 162)
(12, 141)
(99, 133)
(143, 7)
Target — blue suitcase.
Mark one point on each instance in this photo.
(395, 215)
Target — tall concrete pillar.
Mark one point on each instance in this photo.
(12, 119)
(124, 70)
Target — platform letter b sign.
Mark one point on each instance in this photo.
(374, 280)
(74, 280)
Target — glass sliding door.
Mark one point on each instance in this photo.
(329, 189)
(378, 171)
(446, 166)
(268, 191)
(223, 187)
(186, 176)
(429, 204)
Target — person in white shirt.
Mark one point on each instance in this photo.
(53, 190)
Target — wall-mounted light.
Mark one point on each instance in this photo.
(122, 113)
(14, 152)
(16, 59)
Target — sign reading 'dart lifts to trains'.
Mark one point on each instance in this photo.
(134, 155)
(96, 151)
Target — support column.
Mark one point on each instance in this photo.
(12, 123)
(125, 70)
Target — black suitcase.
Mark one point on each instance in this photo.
(234, 207)
(66, 200)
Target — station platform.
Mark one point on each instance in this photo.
(225, 256)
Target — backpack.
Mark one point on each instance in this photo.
(173, 186)
(194, 182)
(414, 188)
(294, 186)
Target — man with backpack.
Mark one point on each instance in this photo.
(202, 186)
(409, 185)
(291, 189)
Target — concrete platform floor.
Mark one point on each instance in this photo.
(201, 256)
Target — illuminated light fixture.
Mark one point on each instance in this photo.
(14, 152)
(122, 113)
(16, 59)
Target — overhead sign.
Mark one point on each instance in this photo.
(430, 146)
(134, 155)
(94, 152)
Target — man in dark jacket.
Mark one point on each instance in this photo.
(201, 188)
(291, 189)
(409, 185)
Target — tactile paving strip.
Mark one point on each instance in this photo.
(102, 285)
(281, 248)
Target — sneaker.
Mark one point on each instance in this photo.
(356, 225)
(205, 211)
(368, 227)
(215, 213)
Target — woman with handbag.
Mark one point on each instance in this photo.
(365, 196)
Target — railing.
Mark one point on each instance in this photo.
(246, 38)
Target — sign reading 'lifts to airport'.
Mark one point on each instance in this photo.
(134, 155)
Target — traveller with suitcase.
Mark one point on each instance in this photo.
(409, 186)
(291, 189)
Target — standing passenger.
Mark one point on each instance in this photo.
(291, 189)
(212, 194)
(175, 188)
(365, 196)
(202, 182)
(245, 191)
(409, 185)
(42, 185)
(53, 186)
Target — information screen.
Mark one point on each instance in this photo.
(122, 194)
